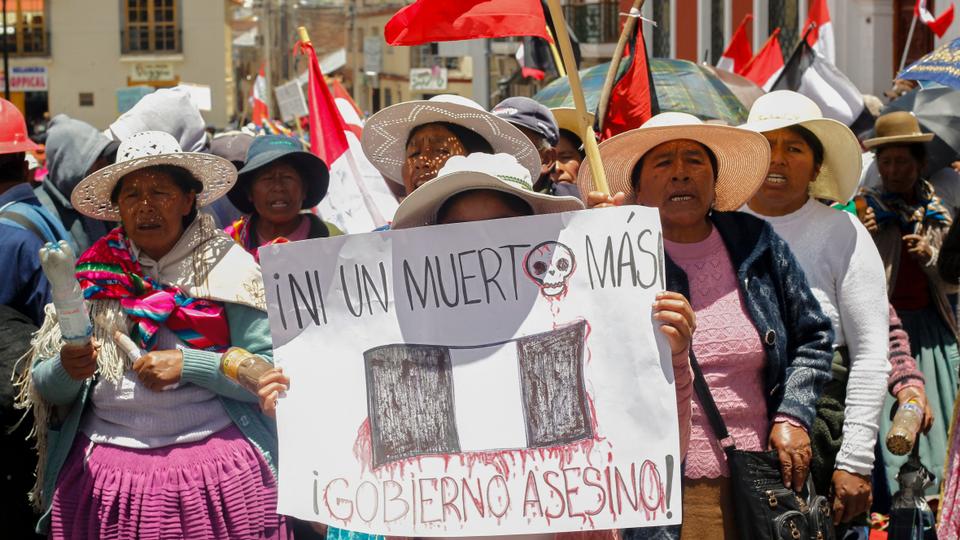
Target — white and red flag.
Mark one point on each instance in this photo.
(358, 199)
(767, 65)
(258, 99)
(739, 51)
(938, 24)
(820, 31)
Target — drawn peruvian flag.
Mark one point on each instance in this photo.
(426, 21)
(358, 199)
(435, 399)
(938, 24)
(739, 51)
(766, 66)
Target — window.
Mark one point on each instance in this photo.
(717, 40)
(27, 27)
(86, 99)
(428, 55)
(661, 34)
(150, 26)
(597, 22)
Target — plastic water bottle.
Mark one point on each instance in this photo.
(59, 265)
(244, 367)
(906, 425)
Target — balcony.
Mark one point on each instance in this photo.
(598, 22)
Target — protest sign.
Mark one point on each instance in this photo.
(498, 377)
(291, 101)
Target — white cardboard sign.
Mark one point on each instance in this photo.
(487, 378)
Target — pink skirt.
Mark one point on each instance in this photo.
(219, 487)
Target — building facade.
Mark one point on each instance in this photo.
(83, 57)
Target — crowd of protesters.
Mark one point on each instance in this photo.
(810, 324)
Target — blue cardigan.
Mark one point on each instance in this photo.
(797, 336)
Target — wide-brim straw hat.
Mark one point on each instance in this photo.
(742, 157)
(478, 171)
(566, 118)
(91, 197)
(839, 175)
(385, 134)
(899, 127)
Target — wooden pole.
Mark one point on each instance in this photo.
(625, 34)
(586, 130)
(557, 59)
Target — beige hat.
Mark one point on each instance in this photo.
(500, 172)
(897, 127)
(91, 197)
(566, 118)
(743, 157)
(840, 172)
(385, 134)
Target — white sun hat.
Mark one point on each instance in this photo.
(840, 172)
(743, 157)
(500, 172)
(385, 134)
(91, 197)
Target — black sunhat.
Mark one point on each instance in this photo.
(268, 149)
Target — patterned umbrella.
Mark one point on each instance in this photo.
(681, 86)
(942, 66)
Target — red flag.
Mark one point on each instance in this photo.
(767, 65)
(327, 137)
(425, 21)
(739, 52)
(632, 100)
(258, 96)
(820, 37)
(939, 24)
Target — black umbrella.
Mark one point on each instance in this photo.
(938, 110)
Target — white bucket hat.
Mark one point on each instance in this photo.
(500, 172)
(385, 134)
(91, 197)
(743, 157)
(840, 172)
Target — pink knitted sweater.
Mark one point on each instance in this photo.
(728, 349)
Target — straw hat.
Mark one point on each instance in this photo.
(566, 118)
(385, 134)
(840, 172)
(500, 172)
(91, 197)
(742, 156)
(897, 127)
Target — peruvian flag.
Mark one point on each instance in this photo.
(940, 24)
(258, 98)
(633, 99)
(738, 52)
(358, 199)
(348, 108)
(767, 65)
(820, 37)
(425, 21)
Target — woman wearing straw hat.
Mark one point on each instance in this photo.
(278, 181)
(762, 340)
(570, 152)
(819, 158)
(410, 141)
(157, 443)
(908, 225)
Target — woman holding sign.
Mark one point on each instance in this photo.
(762, 341)
(141, 433)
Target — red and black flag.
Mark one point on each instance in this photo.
(536, 59)
(633, 99)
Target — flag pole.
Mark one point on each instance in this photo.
(906, 46)
(557, 60)
(625, 34)
(586, 129)
(375, 215)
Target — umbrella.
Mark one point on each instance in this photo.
(746, 90)
(681, 86)
(942, 66)
(938, 111)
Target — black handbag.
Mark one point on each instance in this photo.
(765, 508)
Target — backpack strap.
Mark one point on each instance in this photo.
(23, 221)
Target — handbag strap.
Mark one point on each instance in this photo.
(710, 409)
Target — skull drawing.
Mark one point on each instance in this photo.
(550, 265)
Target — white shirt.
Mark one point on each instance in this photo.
(845, 274)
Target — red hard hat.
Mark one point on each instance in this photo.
(13, 130)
